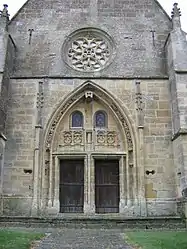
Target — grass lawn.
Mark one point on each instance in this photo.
(18, 240)
(157, 240)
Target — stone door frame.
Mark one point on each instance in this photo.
(131, 204)
(89, 180)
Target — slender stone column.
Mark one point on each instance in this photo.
(122, 203)
(143, 205)
(56, 203)
(128, 182)
(51, 165)
(35, 200)
(141, 168)
(2, 150)
(54, 176)
(36, 161)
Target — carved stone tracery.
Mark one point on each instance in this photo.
(58, 117)
(88, 49)
(77, 137)
(125, 125)
(72, 137)
(101, 137)
(106, 138)
(89, 53)
(104, 97)
(67, 137)
(111, 137)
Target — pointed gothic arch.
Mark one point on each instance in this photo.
(119, 110)
(127, 157)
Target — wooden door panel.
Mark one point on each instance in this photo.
(71, 186)
(107, 186)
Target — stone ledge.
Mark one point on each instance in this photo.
(94, 221)
(131, 77)
(78, 216)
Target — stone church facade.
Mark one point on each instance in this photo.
(93, 109)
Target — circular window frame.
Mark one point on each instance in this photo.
(81, 33)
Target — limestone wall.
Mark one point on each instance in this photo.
(20, 147)
(131, 25)
(7, 59)
(160, 175)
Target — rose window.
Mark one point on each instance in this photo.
(88, 50)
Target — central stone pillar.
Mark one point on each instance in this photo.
(89, 202)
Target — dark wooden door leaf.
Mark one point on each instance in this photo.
(71, 186)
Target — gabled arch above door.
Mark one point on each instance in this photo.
(89, 91)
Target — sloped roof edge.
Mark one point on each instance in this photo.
(17, 13)
(162, 8)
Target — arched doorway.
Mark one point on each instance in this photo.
(90, 153)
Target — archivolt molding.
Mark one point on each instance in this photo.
(56, 120)
(120, 116)
(74, 97)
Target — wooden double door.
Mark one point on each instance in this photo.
(72, 186)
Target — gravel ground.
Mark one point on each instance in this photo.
(83, 239)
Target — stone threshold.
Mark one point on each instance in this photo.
(94, 221)
(75, 216)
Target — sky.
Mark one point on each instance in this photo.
(15, 5)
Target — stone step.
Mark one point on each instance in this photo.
(76, 221)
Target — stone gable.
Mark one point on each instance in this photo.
(129, 23)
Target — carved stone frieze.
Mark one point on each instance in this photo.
(39, 103)
(111, 137)
(40, 96)
(139, 105)
(67, 137)
(106, 138)
(72, 138)
(77, 137)
(101, 137)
